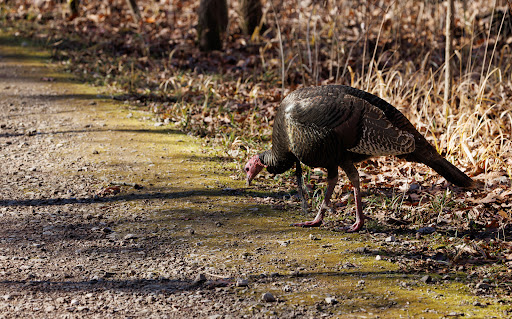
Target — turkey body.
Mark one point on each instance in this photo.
(337, 126)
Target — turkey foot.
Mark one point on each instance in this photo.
(317, 222)
(353, 176)
(355, 227)
(311, 223)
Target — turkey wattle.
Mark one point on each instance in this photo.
(336, 126)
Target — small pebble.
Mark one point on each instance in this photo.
(378, 257)
(426, 230)
(455, 314)
(313, 237)
(482, 285)
(426, 279)
(414, 186)
(74, 302)
(130, 236)
(200, 278)
(242, 283)
(268, 297)
(331, 300)
(390, 239)
(361, 250)
(49, 309)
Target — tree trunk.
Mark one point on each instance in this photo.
(212, 23)
(250, 15)
(73, 7)
(448, 75)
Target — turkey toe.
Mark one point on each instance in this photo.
(354, 228)
(312, 223)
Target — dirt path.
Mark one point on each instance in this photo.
(187, 244)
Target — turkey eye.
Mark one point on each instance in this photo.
(246, 169)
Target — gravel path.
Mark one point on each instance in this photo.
(69, 249)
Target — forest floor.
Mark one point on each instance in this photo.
(106, 213)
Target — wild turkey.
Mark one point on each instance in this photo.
(333, 125)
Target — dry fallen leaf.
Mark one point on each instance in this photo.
(505, 215)
(489, 198)
(471, 249)
(111, 190)
(493, 224)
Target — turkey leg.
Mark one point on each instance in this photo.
(300, 185)
(331, 183)
(353, 176)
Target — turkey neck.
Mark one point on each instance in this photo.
(277, 163)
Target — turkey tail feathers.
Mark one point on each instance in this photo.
(451, 173)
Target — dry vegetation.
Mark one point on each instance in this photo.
(394, 49)
(391, 48)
